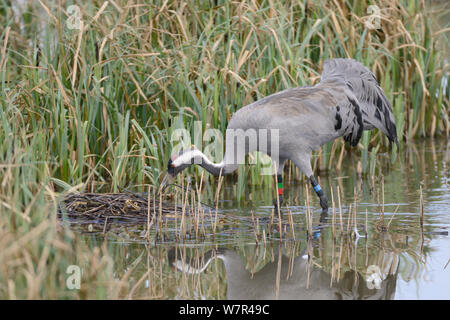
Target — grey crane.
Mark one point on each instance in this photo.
(347, 100)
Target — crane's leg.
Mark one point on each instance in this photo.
(279, 199)
(279, 180)
(303, 162)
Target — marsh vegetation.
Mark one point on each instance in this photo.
(92, 108)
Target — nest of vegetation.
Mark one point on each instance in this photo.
(124, 206)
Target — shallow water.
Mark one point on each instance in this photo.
(366, 254)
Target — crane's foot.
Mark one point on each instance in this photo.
(277, 203)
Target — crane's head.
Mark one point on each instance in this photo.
(177, 163)
(182, 160)
(173, 168)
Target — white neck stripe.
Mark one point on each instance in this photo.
(186, 158)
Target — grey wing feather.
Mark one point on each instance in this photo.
(372, 103)
(356, 121)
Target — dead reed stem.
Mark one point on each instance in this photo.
(291, 222)
(354, 208)
(183, 214)
(254, 226)
(219, 184)
(278, 208)
(340, 210)
(104, 226)
(309, 262)
(421, 219)
(160, 218)
(333, 215)
(393, 215)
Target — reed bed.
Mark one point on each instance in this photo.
(107, 98)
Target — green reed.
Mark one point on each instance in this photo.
(132, 70)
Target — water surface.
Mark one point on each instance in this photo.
(374, 247)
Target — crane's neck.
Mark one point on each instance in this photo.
(195, 156)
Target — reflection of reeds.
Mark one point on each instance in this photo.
(278, 208)
(310, 255)
(421, 206)
(133, 207)
(291, 223)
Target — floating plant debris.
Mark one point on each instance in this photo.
(127, 206)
